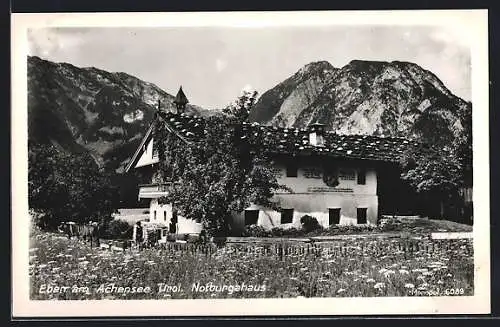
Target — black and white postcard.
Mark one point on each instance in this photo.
(250, 163)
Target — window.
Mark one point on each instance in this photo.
(174, 216)
(361, 215)
(173, 222)
(291, 169)
(251, 217)
(154, 215)
(333, 216)
(362, 177)
(164, 215)
(286, 216)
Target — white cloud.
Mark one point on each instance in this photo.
(220, 65)
(49, 42)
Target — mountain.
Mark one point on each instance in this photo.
(91, 110)
(364, 97)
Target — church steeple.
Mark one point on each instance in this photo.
(180, 101)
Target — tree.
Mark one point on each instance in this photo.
(221, 174)
(68, 187)
(437, 168)
(435, 175)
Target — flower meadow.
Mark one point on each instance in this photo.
(66, 269)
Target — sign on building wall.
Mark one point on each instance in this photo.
(322, 189)
(347, 174)
(312, 173)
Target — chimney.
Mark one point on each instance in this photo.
(317, 134)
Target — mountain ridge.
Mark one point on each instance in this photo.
(91, 110)
(107, 113)
(383, 98)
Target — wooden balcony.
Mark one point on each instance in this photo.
(153, 191)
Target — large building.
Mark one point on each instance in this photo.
(338, 179)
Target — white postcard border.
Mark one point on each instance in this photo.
(474, 25)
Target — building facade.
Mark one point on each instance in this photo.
(334, 178)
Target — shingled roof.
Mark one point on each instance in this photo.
(294, 140)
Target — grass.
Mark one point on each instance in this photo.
(351, 268)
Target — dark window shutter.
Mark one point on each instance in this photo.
(362, 215)
(291, 169)
(334, 216)
(286, 216)
(251, 217)
(362, 177)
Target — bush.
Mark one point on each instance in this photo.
(117, 229)
(349, 229)
(279, 232)
(390, 224)
(309, 223)
(255, 231)
(203, 238)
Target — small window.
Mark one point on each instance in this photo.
(334, 216)
(174, 216)
(291, 170)
(362, 177)
(251, 217)
(362, 215)
(164, 216)
(286, 216)
(154, 215)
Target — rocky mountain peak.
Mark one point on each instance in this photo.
(362, 97)
(92, 110)
(317, 67)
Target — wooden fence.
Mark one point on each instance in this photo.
(336, 249)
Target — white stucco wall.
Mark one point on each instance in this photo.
(316, 205)
(313, 197)
(164, 214)
(303, 184)
(147, 157)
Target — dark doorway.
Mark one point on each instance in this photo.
(361, 215)
(334, 216)
(251, 217)
(291, 169)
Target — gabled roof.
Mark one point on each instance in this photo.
(138, 152)
(279, 140)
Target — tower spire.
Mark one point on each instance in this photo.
(180, 101)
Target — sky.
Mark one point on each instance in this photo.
(214, 64)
